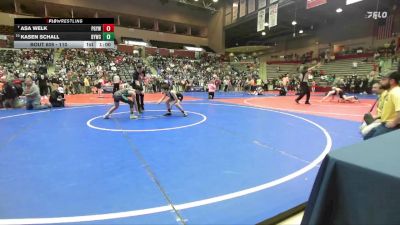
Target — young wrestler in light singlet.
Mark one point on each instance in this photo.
(174, 98)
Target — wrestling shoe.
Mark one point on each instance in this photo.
(168, 114)
(106, 117)
(307, 103)
(185, 114)
(133, 117)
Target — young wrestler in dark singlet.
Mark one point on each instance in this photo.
(127, 95)
(174, 98)
(342, 96)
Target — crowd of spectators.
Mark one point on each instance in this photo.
(81, 70)
(78, 71)
(185, 74)
(355, 84)
(26, 62)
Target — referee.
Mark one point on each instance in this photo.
(137, 84)
(304, 84)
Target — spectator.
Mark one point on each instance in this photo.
(259, 82)
(99, 86)
(381, 64)
(33, 96)
(377, 55)
(76, 82)
(211, 89)
(285, 82)
(374, 121)
(2, 83)
(10, 93)
(55, 81)
(390, 115)
(86, 83)
(57, 97)
(226, 84)
(355, 65)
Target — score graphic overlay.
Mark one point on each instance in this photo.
(64, 33)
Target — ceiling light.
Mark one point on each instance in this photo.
(266, 24)
(235, 4)
(301, 31)
(195, 49)
(348, 2)
(294, 22)
(139, 43)
(263, 33)
(196, 0)
(339, 10)
(215, 0)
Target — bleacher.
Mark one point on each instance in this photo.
(242, 68)
(345, 67)
(284, 68)
(339, 67)
(124, 69)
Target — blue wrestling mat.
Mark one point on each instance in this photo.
(223, 164)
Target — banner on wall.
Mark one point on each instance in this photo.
(235, 7)
(261, 20)
(243, 8)
(273, 15)
(262, 4)
(251, 7)
(314, 3)
(273, 1)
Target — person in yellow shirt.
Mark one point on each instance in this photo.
(390, 114)
(86, 82)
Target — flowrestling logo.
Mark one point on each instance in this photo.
(376, 15)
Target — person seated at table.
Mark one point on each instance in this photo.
(32, 95)
(57, 96)
(10, 93)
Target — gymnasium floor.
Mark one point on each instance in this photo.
(237, 159)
